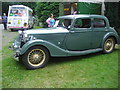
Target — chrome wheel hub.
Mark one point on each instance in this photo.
(109, 45)
(36, 57)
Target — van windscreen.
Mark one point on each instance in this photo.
(18, 12)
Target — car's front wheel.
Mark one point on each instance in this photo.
(109, 45)
(35, 57)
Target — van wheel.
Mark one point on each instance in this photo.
(109, 45)
(35, 57)
(12, 30)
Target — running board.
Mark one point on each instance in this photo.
(76, 53)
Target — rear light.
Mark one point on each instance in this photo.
(25, 24)
(9, 22)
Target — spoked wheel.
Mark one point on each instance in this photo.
(109, 45)
(36, 57)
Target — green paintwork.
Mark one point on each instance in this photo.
(89, 8)
(80, 36)
(72, 42)
(53, 49)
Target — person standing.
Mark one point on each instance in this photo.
(74, 13)
(4, 21)
(50, 21)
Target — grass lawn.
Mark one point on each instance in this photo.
(88, 71)
(36, 27)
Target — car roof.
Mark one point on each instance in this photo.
(81, 16)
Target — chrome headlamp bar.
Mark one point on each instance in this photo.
(24, 37)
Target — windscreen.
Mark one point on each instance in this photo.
(63, 23)
(18, 12)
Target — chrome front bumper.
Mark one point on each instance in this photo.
(16, 57)
(17, 51)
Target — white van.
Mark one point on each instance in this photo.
(20, 17)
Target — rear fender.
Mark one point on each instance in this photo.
(110, 34)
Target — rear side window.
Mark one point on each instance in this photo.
(82, 23)
(99, 23)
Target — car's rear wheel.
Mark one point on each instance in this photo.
(109, 45)
(35, 57)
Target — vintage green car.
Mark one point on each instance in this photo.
(72, 35)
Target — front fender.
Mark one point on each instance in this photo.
(110, 34)
(52, 48)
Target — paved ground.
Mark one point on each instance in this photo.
(7, 36)
(1, 27)
(1, 36)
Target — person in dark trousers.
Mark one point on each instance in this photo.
(4, 21)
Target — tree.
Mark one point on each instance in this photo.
(113, 14)
(44, 9)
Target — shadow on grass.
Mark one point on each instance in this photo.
(59, 60)
(19, 65)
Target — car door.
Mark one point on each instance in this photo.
(99, 30)
(79, 37)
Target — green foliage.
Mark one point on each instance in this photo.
(44, 9)
(36, 27)
(5, 6)
(113, 14)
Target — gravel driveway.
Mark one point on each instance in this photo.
(1, 27)
(8, 36)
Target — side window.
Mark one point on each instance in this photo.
(99, 23)
(65, 22)
(30, 13)
(82, 23)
